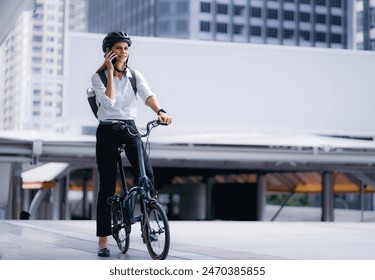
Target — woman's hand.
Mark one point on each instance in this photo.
(109, 57)
(164, 118)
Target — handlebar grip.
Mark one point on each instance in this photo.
(162, 123)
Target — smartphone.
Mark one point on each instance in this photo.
(107, 51)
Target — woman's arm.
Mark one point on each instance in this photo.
(153, 103)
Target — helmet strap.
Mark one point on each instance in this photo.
(120, 71)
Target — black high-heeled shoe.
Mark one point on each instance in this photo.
(104, 252)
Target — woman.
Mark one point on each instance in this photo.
(117, 101)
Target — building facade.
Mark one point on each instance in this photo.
(315, 23)
(33, 77)
(33, 54)
(364, 25)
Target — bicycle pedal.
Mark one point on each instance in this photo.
(153, 237)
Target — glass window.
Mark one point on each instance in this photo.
(272, 32)
(36, 70)
(238, 10)
(305, 35)
(222, 9)
(182, 26)
(37, 38)
(320, 18)
(37, 49)
(255, 31)
(288, 33)
(205, 26)
(38, 27)
(36, 59)
(372, 17)
(221, 27)
(238, 29)
(164, 8)
(320, 2)
(336, 38)
(205, 7)
(182, 7)
(164, 26)
(36, 92)
(360, 21)
(256, 12)
(272, 13)
(320, 37)
(336, 20)
(305, 17)
(289, 15)
(336, 3)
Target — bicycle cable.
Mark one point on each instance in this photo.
(147, 146)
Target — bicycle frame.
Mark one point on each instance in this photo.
(143, 188)
(152, 217)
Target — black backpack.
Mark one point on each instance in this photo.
(91, 96)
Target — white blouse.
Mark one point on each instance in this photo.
(124, 106)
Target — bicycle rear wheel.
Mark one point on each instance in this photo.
(121, 227)
(156, 232)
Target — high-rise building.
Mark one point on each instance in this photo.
(364, 25)
(33, 54)
(315, 23)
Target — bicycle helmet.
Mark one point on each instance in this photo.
(114, 37)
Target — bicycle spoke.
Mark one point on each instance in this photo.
(157, 232)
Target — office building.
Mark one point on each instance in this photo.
(318, 23)
(33, 75)
(364, 26)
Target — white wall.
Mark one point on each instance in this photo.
(217, 86)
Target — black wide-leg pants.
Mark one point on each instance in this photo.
(108, 139)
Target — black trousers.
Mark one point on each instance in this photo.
(108, 139)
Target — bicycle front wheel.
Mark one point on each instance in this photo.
(156, 232)
(120, 227)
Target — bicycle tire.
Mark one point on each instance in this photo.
(156, 232)
(120, 227)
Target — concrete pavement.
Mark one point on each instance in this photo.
(195, 240)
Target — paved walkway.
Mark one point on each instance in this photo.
(195, 240)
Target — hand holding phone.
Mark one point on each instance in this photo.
(110, 56)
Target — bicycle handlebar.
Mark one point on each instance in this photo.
(150, 125)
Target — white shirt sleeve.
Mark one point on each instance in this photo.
(143, 89)
(99, 89)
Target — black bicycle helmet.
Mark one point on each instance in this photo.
(114, 37)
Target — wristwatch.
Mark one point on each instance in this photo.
(161, 110)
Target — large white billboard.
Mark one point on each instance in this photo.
(234, 87)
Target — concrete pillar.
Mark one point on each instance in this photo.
(5, 185)
(56, 206)
(327, 197)
(66, 198)
(209, 207)
(261, 196)
(15, 192)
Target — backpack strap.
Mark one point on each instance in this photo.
(133, 79)
(103, 77)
